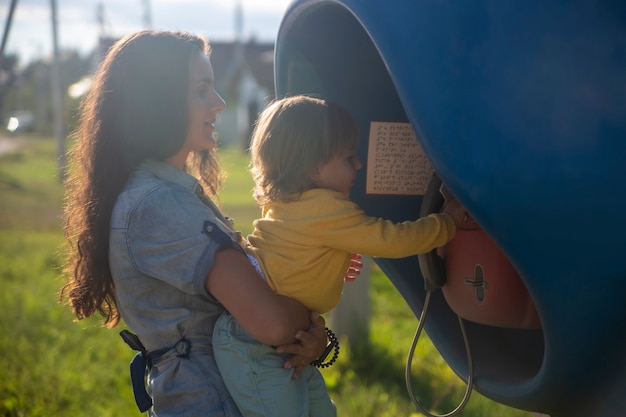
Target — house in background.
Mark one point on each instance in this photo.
(244, 74)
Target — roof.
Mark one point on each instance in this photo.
(257, 57)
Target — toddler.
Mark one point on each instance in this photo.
(304, 164)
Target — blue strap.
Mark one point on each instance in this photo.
(223, 240)
(138, 367)
(137, 378)
(143, 361)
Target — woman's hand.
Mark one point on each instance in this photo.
(355, 267)
(310, 345)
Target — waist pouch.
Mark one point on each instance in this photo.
(143, 361)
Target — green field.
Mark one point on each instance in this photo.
(53, 366)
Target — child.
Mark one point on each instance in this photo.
(304, 164)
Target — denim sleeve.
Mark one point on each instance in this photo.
(173, 237)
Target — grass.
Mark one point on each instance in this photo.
(54, 366)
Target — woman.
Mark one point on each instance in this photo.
(146, 243)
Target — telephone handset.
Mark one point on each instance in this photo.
(433, 270)
(478, 281)
(432, 266)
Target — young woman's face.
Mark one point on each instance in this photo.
(338, 174)
(203, 103)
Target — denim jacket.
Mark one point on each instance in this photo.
(163, 239)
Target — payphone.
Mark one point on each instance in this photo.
(519, 107)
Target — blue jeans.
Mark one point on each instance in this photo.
(255, 377)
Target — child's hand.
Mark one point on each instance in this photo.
(355, 268)
(455, 210)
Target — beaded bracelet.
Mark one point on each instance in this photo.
(333, 345)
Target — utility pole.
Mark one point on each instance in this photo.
(5, 37)
(57, 94)
(7, 29)
(102, 20)
(147, 15)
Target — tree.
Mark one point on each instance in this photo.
(30, 90)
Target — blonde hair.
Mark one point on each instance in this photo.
(292, 138)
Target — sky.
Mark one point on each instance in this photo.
(78, 25)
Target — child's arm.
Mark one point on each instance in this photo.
(373, 236)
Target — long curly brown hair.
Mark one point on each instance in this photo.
(135, 110)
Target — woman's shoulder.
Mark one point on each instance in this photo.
(148, 195)
(145, 188)
(157, 179)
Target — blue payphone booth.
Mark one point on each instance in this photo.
(520, 108)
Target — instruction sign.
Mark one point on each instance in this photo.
(396, 163)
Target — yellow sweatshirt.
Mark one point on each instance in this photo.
(304, 247)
